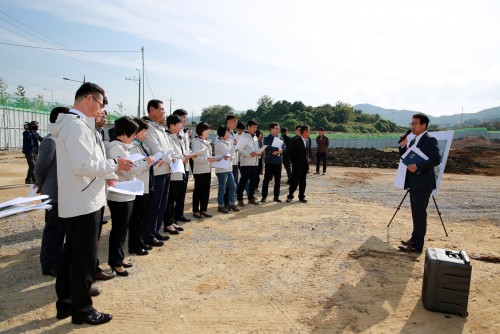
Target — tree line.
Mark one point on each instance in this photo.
(341, 117)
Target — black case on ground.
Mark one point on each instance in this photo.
(446, 283)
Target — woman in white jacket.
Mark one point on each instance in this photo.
(201, 170)
(223, 147)
(120, 205)
(144, 172)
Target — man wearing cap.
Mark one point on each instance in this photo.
(31, 137)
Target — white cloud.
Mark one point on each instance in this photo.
(397, 53)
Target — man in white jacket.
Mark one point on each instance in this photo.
(249, 163)
(82, 169)
(158, 141)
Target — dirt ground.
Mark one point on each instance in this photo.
(328, 266)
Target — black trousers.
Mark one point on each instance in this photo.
(52, 240)
(121, 212)
(248, 173)
(181, 198)
(272, 170)
(321, 156)
(139, 212)
(419, 201)
(173, 198)
(235, 176)
(201, 191)
(299, 176)
(288, 166)
(78, 260)
(157, 203)
(31, 160)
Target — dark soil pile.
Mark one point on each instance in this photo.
(474, 155)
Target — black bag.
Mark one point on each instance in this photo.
(446, 285)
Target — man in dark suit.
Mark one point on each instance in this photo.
(420, 180)
(286, 156)
(300, 164)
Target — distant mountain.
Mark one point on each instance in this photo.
(402, 117)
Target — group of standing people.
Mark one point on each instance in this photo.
(77, 168)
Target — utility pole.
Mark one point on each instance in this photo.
(170, 100)
(143, 95)
(139, 81)
(462, 118)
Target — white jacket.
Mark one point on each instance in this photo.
(158, 141)
(142, 169)
(201, 164)
(222, 147)
(252, 145)
(117, 149)
(81, 165)
(177, 146)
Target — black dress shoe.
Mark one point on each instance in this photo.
(127, 265)
(156, 243)
(102, 276)
(263, 200)
(196, 215)
(288, 200)
(182, 219)
(146, 247)
(162, 237)
(171, 232)
(123, 273)
(94, 292)
(63, 310)
(91, 317)
(178, 228)
(406, 242)
(410, 249)
(206, 214)
(277, 200)
(303, 200)
(139, 251)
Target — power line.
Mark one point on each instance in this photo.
(70, 50)
(147, 80)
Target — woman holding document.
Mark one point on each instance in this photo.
(120, 205)
(201, 170)
(223, 170)
(144, 172)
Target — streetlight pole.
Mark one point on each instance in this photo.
(52, 92)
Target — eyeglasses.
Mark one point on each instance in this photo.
(414, 123)
(100, 104)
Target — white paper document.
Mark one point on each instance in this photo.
(22, 200)
(260, 150)
(219, 157)
(241, 143)
(199, 151)
(277, 142)
(135, 187)
(21, 205)
(157, 156)
(136, 157)
(177, 166)
(168, 153)
(32, 191)
(223, 163)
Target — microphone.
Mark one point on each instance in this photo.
(404, 136)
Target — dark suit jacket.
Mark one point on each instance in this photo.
(46, 168)
(288, 143)
(424, 178)
(298, 154)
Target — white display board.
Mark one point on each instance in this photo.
(444, 139)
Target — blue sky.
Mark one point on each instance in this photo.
(429, 56)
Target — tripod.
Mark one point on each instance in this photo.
(435, 204)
